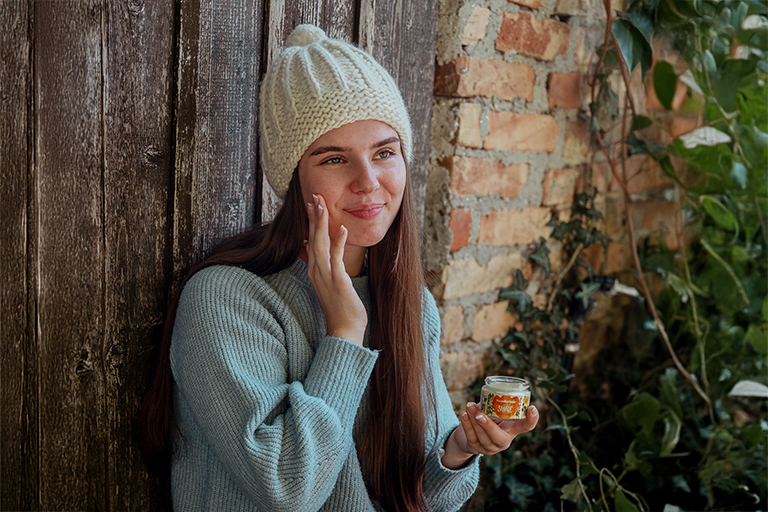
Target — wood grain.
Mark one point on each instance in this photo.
(219, 69)
(138, 48)
(129, 150)
(18, 356)
(403, 36)
(70, 259)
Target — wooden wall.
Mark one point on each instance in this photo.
(128, 148)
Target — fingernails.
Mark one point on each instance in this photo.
(314, 196)
(481, 419)
(319, 209)
(464, 416)
(533, 411)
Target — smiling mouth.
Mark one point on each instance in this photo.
(366, 212)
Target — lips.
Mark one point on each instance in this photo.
(366, 211)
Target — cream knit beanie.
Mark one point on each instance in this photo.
(318, 84)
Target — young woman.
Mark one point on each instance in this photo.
(299, 370)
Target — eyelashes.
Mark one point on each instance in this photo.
(381, 155)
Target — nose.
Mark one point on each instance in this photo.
(366, 179)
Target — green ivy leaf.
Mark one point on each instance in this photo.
(757, 337)
(634, 463)
(719, 213)
(571, 491)
(522, 298)
(739, 254)
(678, 284)
(541, 256)
(634, 48)
(672, 426)
(622, 503)
(709, 64)
(739, 174)
(664, 82)
(640, 122)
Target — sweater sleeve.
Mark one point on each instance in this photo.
(445, 489)
(283, 442)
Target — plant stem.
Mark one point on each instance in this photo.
(728, 269)
(633, 237)
(562, 275)
(574, 451)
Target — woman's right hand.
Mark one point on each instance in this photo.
(345, 315)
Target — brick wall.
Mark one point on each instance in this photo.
(510, 143)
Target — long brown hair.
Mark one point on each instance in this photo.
(392, 442)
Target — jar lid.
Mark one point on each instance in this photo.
(507, 383)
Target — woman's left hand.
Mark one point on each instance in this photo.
(480, 434)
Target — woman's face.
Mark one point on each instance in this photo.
(360, 172)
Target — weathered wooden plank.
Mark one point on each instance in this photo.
(138, 67)
(18, 354)
(336, 17)
(402, 35)
(219, 70)
(70, 314)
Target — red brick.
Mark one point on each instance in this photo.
(507, 228)
(462, 369)
(469, 125)
(474, 30)
(657, 219)
(453, 325)
(481, 177)
(460, 225)
(521, 132)
(558, 186)
(527, 35)
(681, 125)
(577, 144)
(643, 174)
(492, 321)
(594, 256)
(470, 76)
(615, 225)
(573, 7)
(598, 175)
(564, 90)
(618, 258)
(467, 277)
(531, 4)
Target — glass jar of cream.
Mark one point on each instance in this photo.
(505, 398)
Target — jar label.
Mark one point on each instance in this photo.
(504, 407)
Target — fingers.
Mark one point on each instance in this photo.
(319, 240)
(515, 428)
(469, 431)
(337, 252)
(488, 437)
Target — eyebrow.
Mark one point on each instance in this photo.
(328, 149)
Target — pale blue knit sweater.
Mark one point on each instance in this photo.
(269, 406)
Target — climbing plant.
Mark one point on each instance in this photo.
(684, 424)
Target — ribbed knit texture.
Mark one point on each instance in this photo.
(269, 407)
(318, 84)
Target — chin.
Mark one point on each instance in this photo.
(367, 240)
